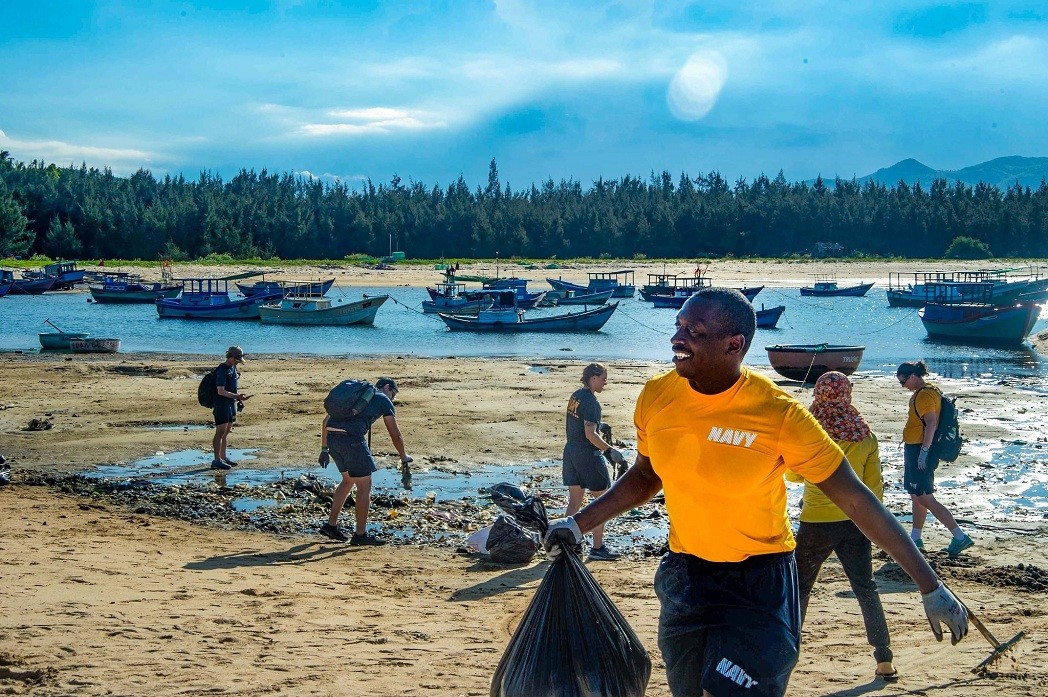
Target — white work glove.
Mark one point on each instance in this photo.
(563, 531)
(922, 459)
(615, 456)
(940, 606)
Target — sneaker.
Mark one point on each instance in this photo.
(330, 531)
(229, 462)
(919, 543)
(219, 465)
(405, 476)
(602, 553)
(365, 541)
(958, 546)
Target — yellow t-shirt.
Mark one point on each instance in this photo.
(865, 458)
(721, 459)
(922, 401)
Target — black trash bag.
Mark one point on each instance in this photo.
(529, 511)
(509, 543)
(572, 640)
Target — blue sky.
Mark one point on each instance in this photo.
(429, 90)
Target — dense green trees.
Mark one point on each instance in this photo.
(86, 212)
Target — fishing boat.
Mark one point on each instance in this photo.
(504, 316)
(5, 287)
(308, 289)
(451, 296)
(767, 319)
(66, 274)
(826, 285)
(26, 285)
(681, 295)
(980, 323)
(526, 300)
(121, 287)
(91, 345)
(598, 298)
(621, 283)
(321, 311)
(1006, 286)
(209, 298)
(807, 362)
(671, 284)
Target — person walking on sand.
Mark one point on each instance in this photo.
(716, 438)
(346, 443)
(919, 462)
(228, 401)
(584, 466)
(825, 529)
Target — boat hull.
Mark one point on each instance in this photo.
(456, 306)
(59, 341)
(767, 319)
(1004, 326)
(807, 362)
(851, 291)
(214, 306)
(5, 288)
(114, 296)
(338, 315)
(32, 286)
(567, 285)
(586, 321)
(586, 298)
(94, 345)
(316, 288)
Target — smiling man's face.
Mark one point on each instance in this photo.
(704, 352)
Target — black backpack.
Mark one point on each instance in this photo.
(348, 399)
(946, 446)
(206, 390)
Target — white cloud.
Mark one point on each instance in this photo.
(694, 90)
(372, 121)
(120, 160)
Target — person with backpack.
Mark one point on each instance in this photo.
(227, 401)
(352, 408)
(825, 529)
(920, 459)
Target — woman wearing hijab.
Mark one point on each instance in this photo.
(919, 462)
(825, 529)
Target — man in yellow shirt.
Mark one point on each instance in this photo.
(717, 439)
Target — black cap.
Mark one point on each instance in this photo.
(382, 382)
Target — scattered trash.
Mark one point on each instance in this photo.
(39, 425)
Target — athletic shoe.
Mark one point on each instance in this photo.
(332, 532)
(919, 543)
(602, 553)
(958, 546)
(229, 462)
(219, 465)
(365, 541)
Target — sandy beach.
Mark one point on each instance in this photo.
(101, 597)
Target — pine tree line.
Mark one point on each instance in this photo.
(89, 213)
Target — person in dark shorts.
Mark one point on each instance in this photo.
(717, 438)
(345, 442)
(584, 465)
(919, 462)
(826, 530)
(228, 400)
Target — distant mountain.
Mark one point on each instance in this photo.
(1002, 172)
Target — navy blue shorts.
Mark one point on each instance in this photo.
(224, 413)
(730, 628)
(351, 454)
(586, 467)
(917, 481)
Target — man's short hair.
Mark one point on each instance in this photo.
(736, 313)
(382, 382)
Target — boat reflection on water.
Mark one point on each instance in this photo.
(998, 363)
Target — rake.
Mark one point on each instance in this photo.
(999, 648)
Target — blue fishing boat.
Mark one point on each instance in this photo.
(681, 295)
(321, 311)
(767, 319)
(451, 297)
(505, 316)
(826, 286)
(26, 285)
(209, 298)
(120, 287)
(620, 282)
(598, 298)
(998, 286)
(980, 323)
(5, 287)
(66, 274)
(309, 289)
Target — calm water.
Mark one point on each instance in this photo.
(635, 331)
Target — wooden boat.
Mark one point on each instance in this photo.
(511, 319)
(90, 345)
(980, 323)
(826, 285)
(321, 311)
(307, 289)
(996, 286)
(681, 295)
(121, 287)
(66, 274)
(567, 286)
(59, 341)
(208, 298)
(26, 285)
(671, 284)
(620, 282)
(807, 362)
(767, 319)
(598, 298)
(452, 297)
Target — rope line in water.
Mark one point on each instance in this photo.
(904, 317)
(408, 307)
(657, 331)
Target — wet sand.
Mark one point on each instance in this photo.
(101, 597)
